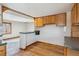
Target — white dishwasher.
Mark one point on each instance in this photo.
(26, 39)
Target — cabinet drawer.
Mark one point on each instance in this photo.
(75, 29)
(75, 34)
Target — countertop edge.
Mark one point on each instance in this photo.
(11, 38)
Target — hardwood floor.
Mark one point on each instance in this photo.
(42, 49)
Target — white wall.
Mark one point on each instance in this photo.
(30, 26)
(55, 34)
(20, 27)
(68, 25)
(52, 34)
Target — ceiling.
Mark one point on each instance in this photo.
(40, 9)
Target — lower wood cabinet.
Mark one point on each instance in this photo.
(75, 34)
(3, 50)
(71, 52)
(75, 31)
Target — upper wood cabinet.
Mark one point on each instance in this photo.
(61, 19)
(38, 22)
(53, 21)
(45, 20)
(41, 21)
(75, 14)
(49, 19)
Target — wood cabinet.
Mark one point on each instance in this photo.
(38, 22)
(77, 15)
(74, 14)
(53, 21)
(41, 21)
(45, 20)
(75, 31)
(75, 34)
(49, 19)
(2, 50)
(71, 52)
(61, 19)
(58, 19)
(75, 20)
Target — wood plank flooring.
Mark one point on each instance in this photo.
(42, 49)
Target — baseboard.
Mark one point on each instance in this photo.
(41, 42)
(50, 43)
(28, 46)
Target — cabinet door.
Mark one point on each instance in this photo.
(53, 21)
(49, 19)
(71, 52)
(77, 11)
(30, 38)
(74, 14)
(45, 20)
(2, 50)
(38, 22)
(61, 19)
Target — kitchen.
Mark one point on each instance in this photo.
(21, 30)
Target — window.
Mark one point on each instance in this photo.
(7, 28)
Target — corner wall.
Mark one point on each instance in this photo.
(55, 34)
